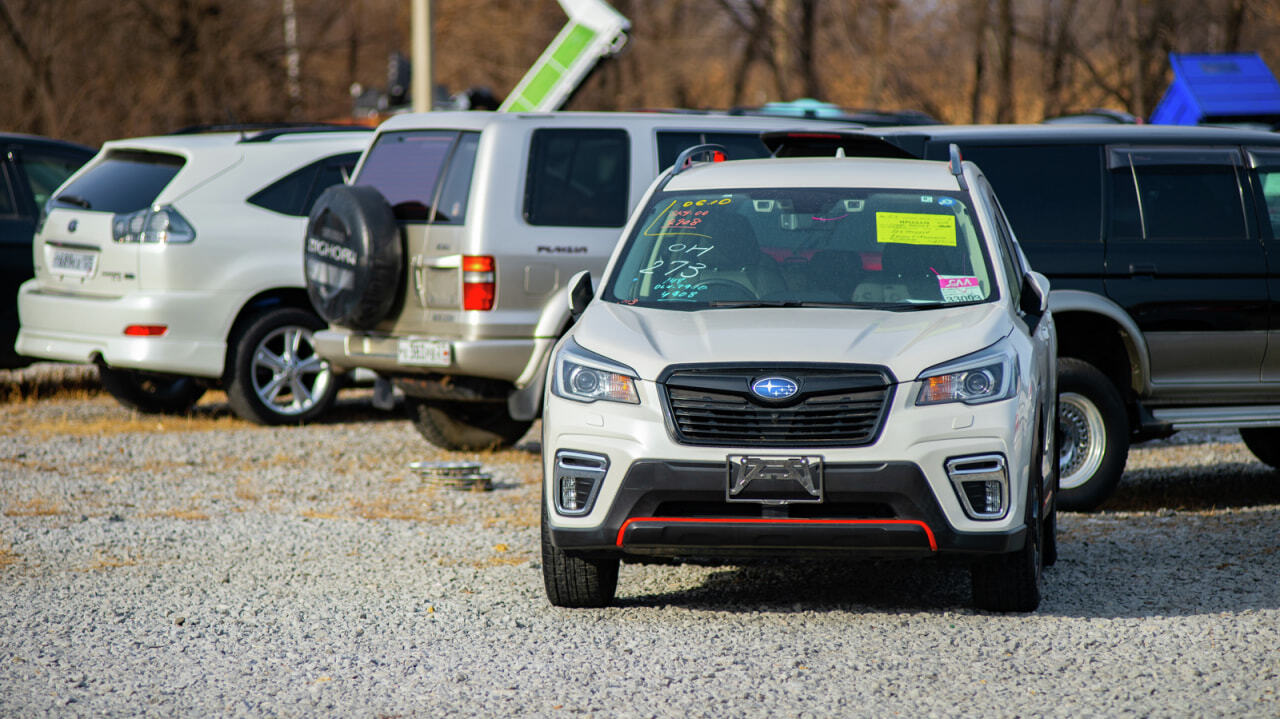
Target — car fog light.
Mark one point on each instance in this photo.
(578, 476)
(982, 485)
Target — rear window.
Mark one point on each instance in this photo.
(407, 167)
(737, 145)
(124, 181)
(1050, 193)
(578, 178)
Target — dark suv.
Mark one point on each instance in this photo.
(1163, 248)
(30, 168)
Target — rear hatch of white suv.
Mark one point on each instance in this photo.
(97, 225)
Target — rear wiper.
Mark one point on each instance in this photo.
(75, 200)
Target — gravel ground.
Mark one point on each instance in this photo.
(204, 566)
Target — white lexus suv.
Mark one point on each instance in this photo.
(800, 357)
(175, 264)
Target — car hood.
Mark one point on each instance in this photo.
(650, 340)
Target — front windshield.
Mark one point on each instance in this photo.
(886, 249)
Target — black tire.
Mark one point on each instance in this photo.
(274, 375)
(352, 256)
(465, 426)
(1264, 442)
(1012, 582)
(573, 581)
(1093, 436)
(151, 392)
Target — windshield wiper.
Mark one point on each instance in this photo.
(779, 303)
(75, 200)
(909, 306)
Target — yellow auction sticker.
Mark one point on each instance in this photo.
(911, 228)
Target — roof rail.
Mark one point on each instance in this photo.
(267, 131)
(957, 165)
(685, 160)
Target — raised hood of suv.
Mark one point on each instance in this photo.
(650, 340)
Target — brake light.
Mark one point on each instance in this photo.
(146, 330)
(478, 282)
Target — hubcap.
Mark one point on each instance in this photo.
(288, 375)
(1082, 439)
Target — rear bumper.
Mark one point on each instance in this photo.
(71, 328)
(502, 359)
(871, 510)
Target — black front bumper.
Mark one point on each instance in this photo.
(678, 509)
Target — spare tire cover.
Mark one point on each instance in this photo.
(352, 256)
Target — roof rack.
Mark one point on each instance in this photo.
(685, 160)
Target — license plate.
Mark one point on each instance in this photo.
(73, 262)
(430, 353)
(778, 479)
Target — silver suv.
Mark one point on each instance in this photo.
(443, 265)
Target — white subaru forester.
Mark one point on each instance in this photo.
(800, 357)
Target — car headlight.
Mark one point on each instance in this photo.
(988, 375)
(585, 376)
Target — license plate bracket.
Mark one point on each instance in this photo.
(774, 479)
(424, 352)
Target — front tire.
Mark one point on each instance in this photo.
(1093, 436)
(1012, 582)
(1264, 442)
(276, 377)
(150, 392)
(573, 581)
(465, 426)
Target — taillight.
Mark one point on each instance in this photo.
(159, 224)
(478, 282)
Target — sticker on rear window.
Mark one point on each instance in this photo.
(960, 288)
(911, 228)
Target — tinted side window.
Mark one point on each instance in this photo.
(737, 145)
(1051, 193)
(452, 206)
(1168, 194)
(294, 193)
(45, 171)
(7, 206)
(1267, 163)
(406, 168)
(578, 178)
(333, 171)
(124, 181)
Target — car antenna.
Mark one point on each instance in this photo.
(957, 166)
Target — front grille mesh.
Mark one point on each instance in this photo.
(834, 415)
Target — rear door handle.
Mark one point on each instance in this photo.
(1142, 268)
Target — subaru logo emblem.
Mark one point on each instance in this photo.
(72, 225)
(774, 387)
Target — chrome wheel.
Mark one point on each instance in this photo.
(1082, 439)
(288, 376)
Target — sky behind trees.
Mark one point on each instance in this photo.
(93, 70)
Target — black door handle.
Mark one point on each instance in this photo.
(1142, 268)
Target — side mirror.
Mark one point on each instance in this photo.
(1035, 294)
(580, 293)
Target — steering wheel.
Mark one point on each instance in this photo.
(736, 287)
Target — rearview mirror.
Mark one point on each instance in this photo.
(580, 293)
